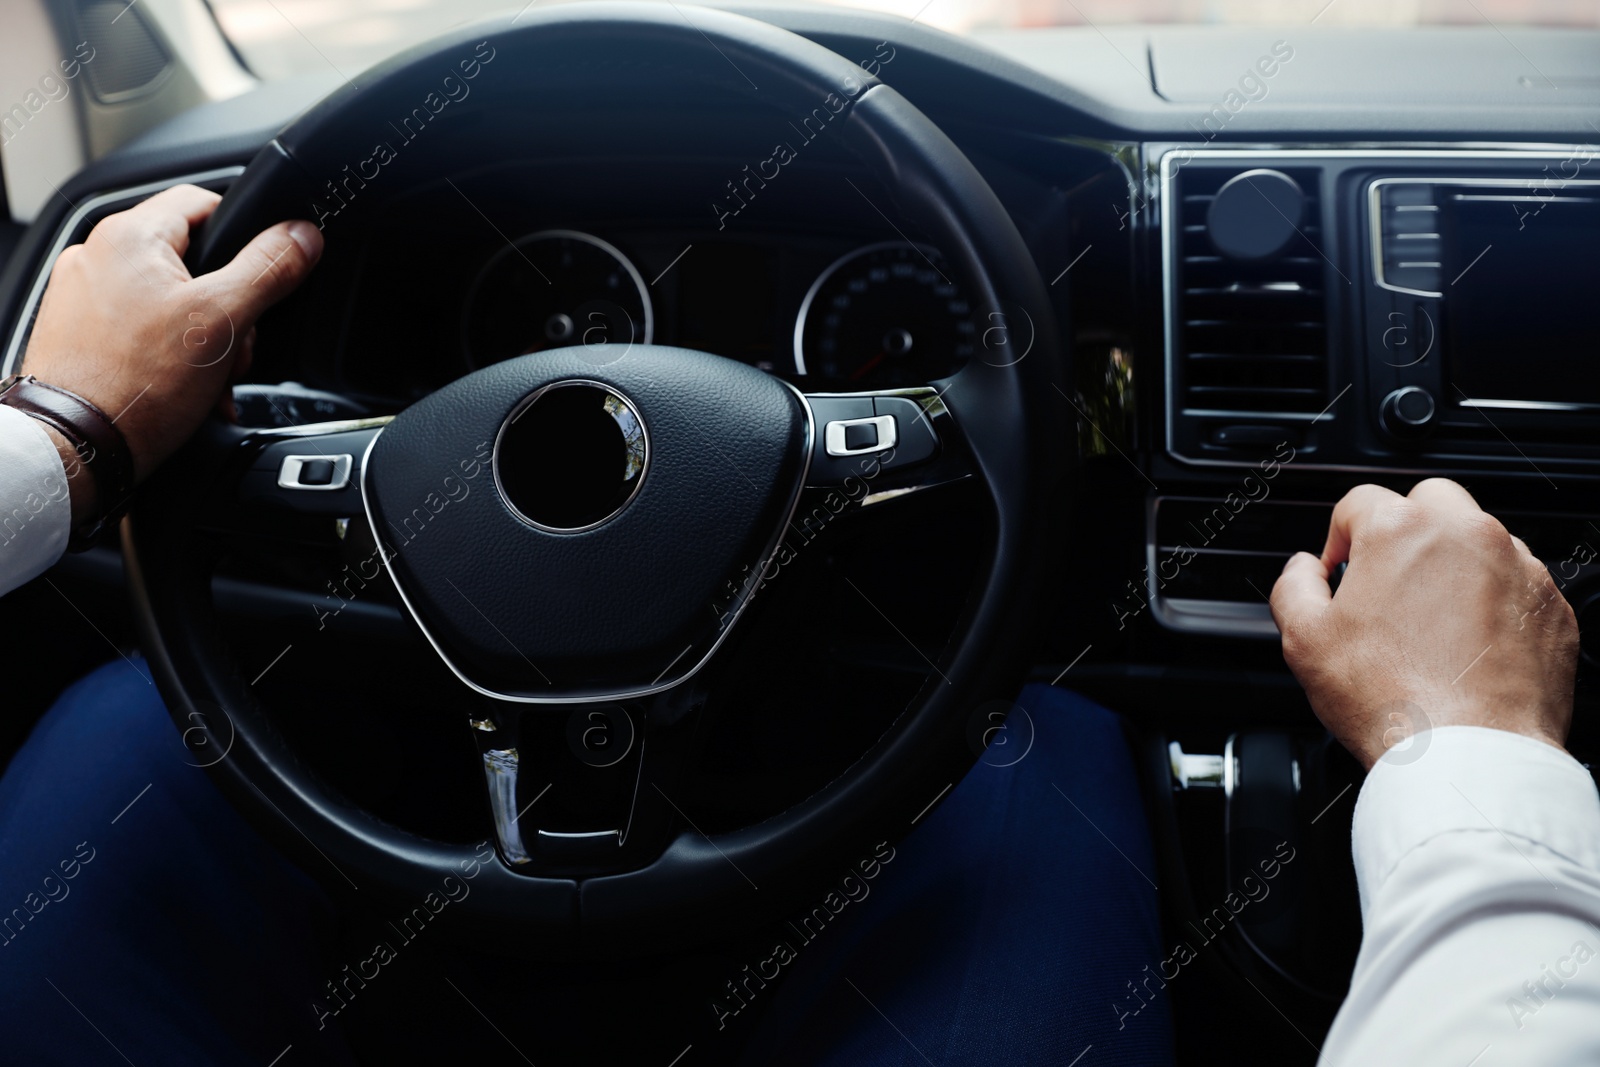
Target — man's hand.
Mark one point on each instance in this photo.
(123, 325)
(1440, 611)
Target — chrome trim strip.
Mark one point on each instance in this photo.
(1287, 416)
(501, 768)
(1529, 405)
(1251, 552)
(1218, 618)
(887, 495)
(320, 429)
(30, 305)
(1171, 152)
(612, 696)
(527, 402)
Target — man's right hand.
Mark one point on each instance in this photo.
(1442, 619)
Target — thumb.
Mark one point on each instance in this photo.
(265, 271)
(1301, 594)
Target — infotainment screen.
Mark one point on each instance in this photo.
(1521, 295)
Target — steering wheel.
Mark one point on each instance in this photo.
(598, 518)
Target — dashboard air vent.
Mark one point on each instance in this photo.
(1250, 334)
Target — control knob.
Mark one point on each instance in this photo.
(1407, 411)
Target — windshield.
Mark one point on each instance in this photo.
(281, 38)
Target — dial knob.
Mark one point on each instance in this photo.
(1407, 411)
(1255, 215)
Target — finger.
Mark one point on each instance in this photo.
(1301, 593)
(192, 202)
(1538, 573)
(265, 271)
(1444, 494)
(1352, 513)
(172, 213)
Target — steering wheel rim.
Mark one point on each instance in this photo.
(698, 887)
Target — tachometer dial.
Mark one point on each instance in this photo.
(555, 289)
(884, 315)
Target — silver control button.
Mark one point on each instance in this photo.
(879, 430)
(294, 474)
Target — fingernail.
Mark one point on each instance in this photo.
(308, 237)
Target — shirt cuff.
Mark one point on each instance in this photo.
(1472, 779)
(35, 502)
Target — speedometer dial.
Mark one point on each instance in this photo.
(884, 315)
(555, 289)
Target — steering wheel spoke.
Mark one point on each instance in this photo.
(873, 447)
(587, 788)
(300, 484)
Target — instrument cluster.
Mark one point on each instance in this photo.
(881, 315)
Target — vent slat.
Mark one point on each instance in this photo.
(1239, 289)
(1244, 324)
(1255, 357)
(1254, 390)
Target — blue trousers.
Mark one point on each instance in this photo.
(143, 921)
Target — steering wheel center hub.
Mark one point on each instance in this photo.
(571, 456)
(636, 491)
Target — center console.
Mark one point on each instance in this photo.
(1428, 309)
(1360, 314)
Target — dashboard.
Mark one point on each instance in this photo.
(1339, 326)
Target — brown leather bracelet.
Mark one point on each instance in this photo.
(92, 434)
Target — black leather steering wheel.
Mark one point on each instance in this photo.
(550, 591)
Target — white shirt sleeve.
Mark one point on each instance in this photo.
(1477, 855)
(35, 504)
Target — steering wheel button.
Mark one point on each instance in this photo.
(859, 437)
(315, 472)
